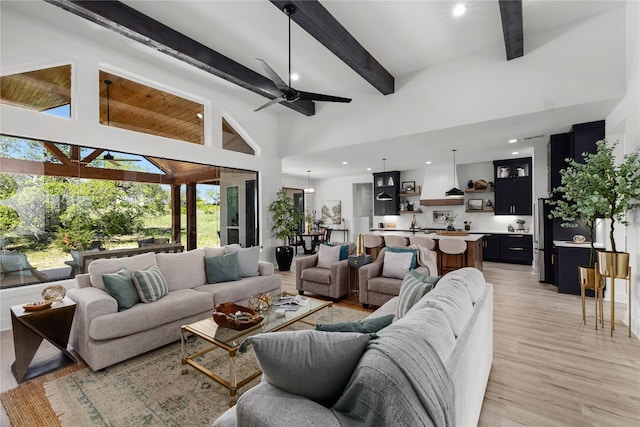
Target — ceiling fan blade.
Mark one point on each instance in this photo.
(310, 96)
(272, 75)
(270, 103)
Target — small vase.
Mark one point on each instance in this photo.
(451, 228)
(467, 227)
(309, 228)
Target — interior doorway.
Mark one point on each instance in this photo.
(362, 208)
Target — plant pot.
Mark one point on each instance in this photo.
(284, 257)
(590, 280)
(614, 264)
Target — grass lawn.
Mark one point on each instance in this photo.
(208, 226)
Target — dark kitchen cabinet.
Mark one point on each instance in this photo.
(567, 269)
(389, 183)
(491, 247)
(513, 186)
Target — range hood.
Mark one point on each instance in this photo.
(436, 182)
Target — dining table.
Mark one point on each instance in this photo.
(313, 238)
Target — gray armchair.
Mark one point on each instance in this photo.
(331, 282)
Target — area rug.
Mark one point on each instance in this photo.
(150, 390)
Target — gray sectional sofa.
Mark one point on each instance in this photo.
(103, 336)
(453, 323)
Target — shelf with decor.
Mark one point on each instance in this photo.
(473, 190)
(483, 210)
(408, 194)
(415, 211)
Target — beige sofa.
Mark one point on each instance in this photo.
(103, 336)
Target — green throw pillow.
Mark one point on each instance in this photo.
(120, 286)
(222, 268)
(150, 284)
(247, 259)
(364, 326)
(344, 250)
(414, 286)
(414, 260)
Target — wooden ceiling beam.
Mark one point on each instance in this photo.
(135, 25)
(512, 27)
(317, 21)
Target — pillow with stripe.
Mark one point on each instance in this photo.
(150, 284)
(414, 287)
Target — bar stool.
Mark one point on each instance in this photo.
(424, 241)
(373, 244)
(456, 249)
(395, 241)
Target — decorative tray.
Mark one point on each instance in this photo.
(452, 233)
(37, 305)
(233, 316)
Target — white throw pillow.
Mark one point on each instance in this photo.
(396, 265)
(328, 255)
(247, 259)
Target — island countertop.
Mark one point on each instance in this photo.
(469, 238)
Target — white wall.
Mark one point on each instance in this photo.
(626, 118)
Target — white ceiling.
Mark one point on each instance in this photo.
(404, 36)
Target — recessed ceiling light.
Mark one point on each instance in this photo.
(515, 153)
(199, 115)
(513, 141)
(345, 163)
(295, 77)
(459, 9)
(368, 169)
(428, 163)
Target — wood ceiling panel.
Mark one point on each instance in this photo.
(38, 90)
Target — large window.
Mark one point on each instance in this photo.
(57, 198)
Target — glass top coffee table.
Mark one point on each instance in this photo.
(230, 340)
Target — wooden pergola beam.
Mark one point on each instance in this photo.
(317, 21)
(137, 26)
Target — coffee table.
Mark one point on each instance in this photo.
(230, 340)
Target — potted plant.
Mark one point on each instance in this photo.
(286, 220)
(450, 220)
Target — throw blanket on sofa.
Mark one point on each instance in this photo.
(400, 380)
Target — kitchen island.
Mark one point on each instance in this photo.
(471, 258)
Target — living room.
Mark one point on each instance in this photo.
(452, 104)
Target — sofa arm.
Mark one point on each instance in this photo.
(265, 268)
(90, 303)
(339, 279)
(365, 273)
(301, 264)
(83, 280)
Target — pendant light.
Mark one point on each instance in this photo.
(455, 192)
(309, 190)
(384, 196)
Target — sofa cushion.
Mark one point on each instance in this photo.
(384, 285)
(396, 264)
(150, 284)
(414, 287)
(414, 251)
(102, 266)
(247, 259)
(328, 255)
(222, 268)
(364, 326)
(313, 364)
(454, 301)
(316, 275)
(174, 306)
(241, 291)
(433, 323)
(120, 286)
(183, 270)
(469, 277)
(212, 251)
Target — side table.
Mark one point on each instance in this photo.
(31, 327)
(355, 262)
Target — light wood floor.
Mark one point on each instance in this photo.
(548, 368)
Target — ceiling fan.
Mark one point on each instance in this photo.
(289, 94)
(109, 157)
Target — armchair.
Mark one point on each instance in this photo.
(332, 282)
(376, 288)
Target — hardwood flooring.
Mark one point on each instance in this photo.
(548, 368)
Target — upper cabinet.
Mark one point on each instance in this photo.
(513, 186)
(389, 184)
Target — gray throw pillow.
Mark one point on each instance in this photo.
(328, 255)
(364, 326)
(223, 268)
(313, 364)
(150, 284)
(396, 265)
(120, 286)
(414, 286)
(247, 259)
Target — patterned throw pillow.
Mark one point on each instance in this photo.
(414, 286)
(150, 284)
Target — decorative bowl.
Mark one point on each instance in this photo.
(37, 305)
(234, 316)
